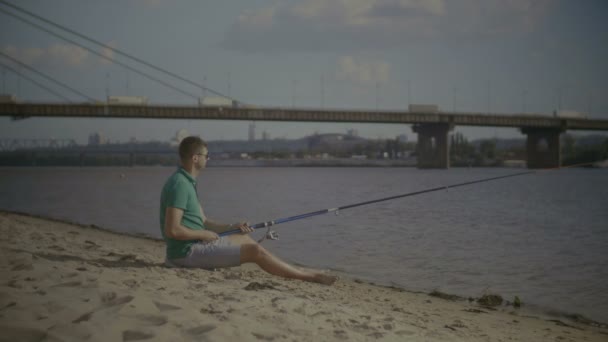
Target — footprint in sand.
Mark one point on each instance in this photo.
(36, 236)
(136, 335)
(155, 320)
(57, 248)
(11, 304)
(14, 284)
(263, 337)
(404, 333)
(15, 333)
(23, 267)
(69, 284)
(53, 307)
(123, 257)
(91, 244)
(166, 307)
(341, 334)
(85, 317)
(110, 299)
(255, 286)
(202, 329)
(130, 283)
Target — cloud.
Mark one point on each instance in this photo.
(405, 9)
(260, 19)
(27, 55)
(362, 72)
(147, 3)
(107, 53)
(374, 24)
(66, 55)
(30, 55)
(69, 55)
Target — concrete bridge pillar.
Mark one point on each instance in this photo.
(433, 145)
(542, 147)
(132, 159)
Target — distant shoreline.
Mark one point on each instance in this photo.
(342, 162)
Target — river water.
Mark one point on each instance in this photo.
(542, 237)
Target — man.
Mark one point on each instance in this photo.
(192, 239)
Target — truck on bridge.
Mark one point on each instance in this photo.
(423, 108)
(569, 114)
(216, 101)
(128, 100)
(8, 98)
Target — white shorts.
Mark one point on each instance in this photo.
(208, 255)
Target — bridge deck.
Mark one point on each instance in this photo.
(20, 111)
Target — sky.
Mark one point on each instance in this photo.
(493, 56)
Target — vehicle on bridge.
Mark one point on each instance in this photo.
(128, 100)
(569, 114)
(8, 98)
(217, 101)
(423, 108)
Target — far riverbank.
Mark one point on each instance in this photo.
(335, 162)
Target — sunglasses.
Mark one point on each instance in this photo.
(206, 156)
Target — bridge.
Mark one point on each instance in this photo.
(543, 145)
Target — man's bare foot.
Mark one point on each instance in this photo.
(323, 278)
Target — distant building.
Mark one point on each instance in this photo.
(252, 131)
(179, 136)
(334, 142)
(242, 146)
(97, 138)
(402, 138)
(265, 136)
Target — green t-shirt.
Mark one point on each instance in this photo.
(180, 192)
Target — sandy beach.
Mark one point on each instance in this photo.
(68, 282)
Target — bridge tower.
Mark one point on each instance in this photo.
(543, 147)
(433, 145)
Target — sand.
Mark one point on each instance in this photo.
(67, 282)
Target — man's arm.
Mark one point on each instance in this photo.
(175, 230)
(223, 227)
(216, 226)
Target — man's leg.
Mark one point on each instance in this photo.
(251, 251)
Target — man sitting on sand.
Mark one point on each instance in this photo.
(192, 239)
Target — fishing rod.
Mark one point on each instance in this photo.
(272, 235)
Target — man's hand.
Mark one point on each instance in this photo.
(243, 226)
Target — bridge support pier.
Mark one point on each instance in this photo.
(433, 146)
(132, 159)
(542, 147)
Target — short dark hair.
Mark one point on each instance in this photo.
(190, 146)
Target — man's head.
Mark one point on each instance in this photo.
(193, 151)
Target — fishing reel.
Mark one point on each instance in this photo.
(270, 235)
